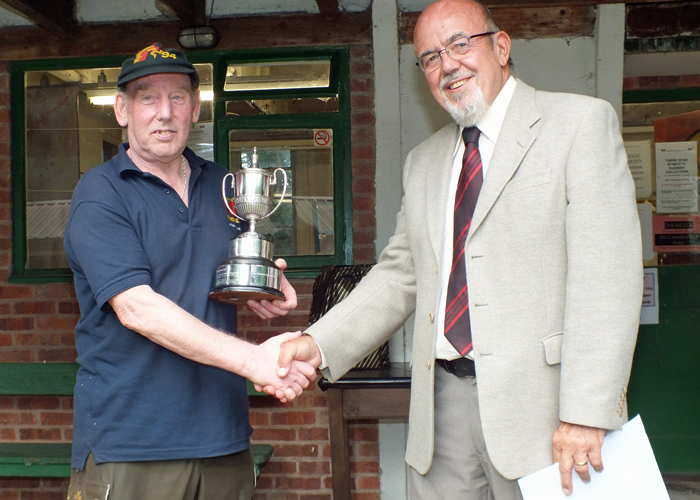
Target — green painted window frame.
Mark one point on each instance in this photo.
(340, 123)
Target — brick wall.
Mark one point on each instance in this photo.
(37, 321)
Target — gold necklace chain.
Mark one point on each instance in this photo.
(184, 176)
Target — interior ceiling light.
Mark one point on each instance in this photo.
(199, 37)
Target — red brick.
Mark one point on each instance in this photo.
(360, 68)
(6, 339)
(264, 482)
(315, 496)
(56, 291)
(363, 202)
(7, 402)
(19, 482)
(17, 356)
(37, 339)
(363, 169)
(363, 466)
(313, 434)
(302, 287)
(56, 418)
(315, 467)
(296, 450)
(9, 495)
(360, 186)
(260, 434)
(55, 323)
(363, 135)
(68, 434)
(294, 418)
(40, 434)
(291, 322)
(690, 81)
(368, 483)
(364, 219)
(57, 355)
(8, 435)
(364, 237)
(16, 292)
(16, 324)
(298, 483)
(363, 153)
(5, 309)
(38, 403)
(362, 102)
(258, 418)
(361, 84)
(362, 118)
(367, 450)
(17, 418)
(43, 495)
(69, 308)
(360, 50)
(281, 467)
(362, 495)
(363, 433)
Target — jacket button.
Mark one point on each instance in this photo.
(432, 318)
(427, 363)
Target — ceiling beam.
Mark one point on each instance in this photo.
(328, 9)
(56, 16)
(28, 42)
(190, 11)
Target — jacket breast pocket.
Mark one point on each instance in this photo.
(522, 182)
(552, 348)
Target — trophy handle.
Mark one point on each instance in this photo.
(223, 193)
(284, 188)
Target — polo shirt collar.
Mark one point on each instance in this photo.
(124, 163)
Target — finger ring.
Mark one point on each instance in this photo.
(580, 464)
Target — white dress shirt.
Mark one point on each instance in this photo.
(490, 126)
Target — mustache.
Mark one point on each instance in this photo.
(455, 75)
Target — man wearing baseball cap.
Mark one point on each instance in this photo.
(161, 408)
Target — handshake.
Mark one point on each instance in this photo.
(285, 366)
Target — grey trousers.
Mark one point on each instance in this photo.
(461, 468)
(231, 477)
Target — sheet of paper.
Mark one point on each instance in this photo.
(676, 177)
(630, 472)
(639, 162)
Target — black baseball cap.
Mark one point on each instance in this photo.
(153, 59)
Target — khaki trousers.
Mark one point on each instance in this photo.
(461, 468)
(231, 477)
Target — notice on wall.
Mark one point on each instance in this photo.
(676, 234)
(639, 162)
(645, 212)
(650, 298)
(201, 140)
(676, 177)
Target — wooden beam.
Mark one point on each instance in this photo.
(21, 43)
(328, 8)
(56, 16)
(526, 23)
(663, 20)
(192, 12)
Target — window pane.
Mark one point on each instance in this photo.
(70, 128)
(282, 106)
(303, 225)
(278, 75)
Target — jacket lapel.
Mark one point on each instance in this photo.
(437, 185)
(514, 141)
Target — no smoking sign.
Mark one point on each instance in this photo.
(323, 137)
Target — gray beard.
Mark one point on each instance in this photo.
(467, 112)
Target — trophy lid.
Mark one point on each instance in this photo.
(253, 161)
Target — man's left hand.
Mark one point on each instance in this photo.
(577, 447)
(271, 309)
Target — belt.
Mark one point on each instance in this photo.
(460, 367)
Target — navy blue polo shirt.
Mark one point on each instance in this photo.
(135, 400)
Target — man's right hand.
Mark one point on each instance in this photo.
(303, 348)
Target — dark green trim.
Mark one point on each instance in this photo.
(54, 459)
(665, 95)
(339, 84)
(37, 379)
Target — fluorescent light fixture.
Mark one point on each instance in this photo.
(108, 100)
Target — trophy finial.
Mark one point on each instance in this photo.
(254, 158)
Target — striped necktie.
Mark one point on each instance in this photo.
(457, 327)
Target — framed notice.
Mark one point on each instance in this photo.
(676, 177)
(676, 234)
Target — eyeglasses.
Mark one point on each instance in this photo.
(455, 50)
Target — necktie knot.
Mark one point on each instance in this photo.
(471, 134)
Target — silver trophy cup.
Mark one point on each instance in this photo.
(249, 273)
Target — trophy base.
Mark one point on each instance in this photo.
(242, 294)
(240, 279)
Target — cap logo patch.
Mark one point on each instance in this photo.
(153, 50)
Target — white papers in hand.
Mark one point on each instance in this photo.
(630, 472)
